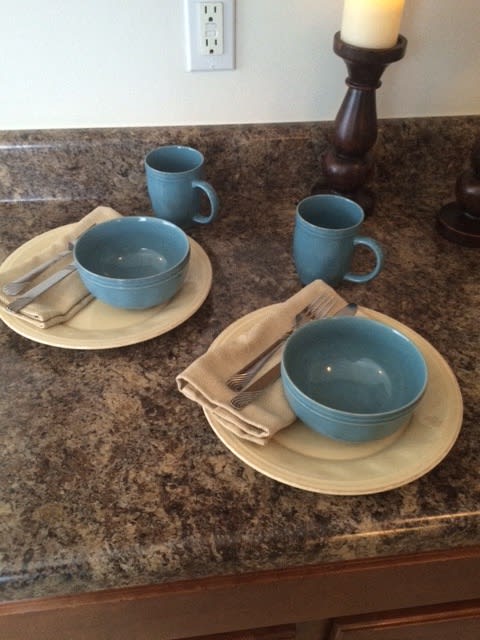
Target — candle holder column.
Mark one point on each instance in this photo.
(459, 221)
(348, 163)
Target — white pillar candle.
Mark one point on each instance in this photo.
(372, 24)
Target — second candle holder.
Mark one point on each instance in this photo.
(348, 163)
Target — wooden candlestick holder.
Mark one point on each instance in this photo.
(460, 221)
(348, 163)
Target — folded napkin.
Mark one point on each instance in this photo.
(67, 297)
(204, 381)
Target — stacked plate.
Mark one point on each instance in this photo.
(299, 457)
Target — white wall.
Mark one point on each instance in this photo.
(99, 63)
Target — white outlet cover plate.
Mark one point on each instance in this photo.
(196, 61)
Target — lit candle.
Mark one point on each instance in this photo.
(372, 24)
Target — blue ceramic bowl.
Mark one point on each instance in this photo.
(352, 379)
(134, 262)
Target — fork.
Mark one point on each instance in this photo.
(315, 309)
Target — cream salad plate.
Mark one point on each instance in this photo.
(99, 326)
(298, 457)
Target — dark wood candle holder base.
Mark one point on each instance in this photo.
(348, 163)
(460, 221)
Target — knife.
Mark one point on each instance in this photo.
(250, 393)
(33, 293)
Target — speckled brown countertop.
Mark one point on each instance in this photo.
(110, 477)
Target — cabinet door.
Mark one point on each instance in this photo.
(283, 632)
(455, 622)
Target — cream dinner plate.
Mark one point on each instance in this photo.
(100, 326)
(301, 458)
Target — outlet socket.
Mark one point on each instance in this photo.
(210, 35)
(211, 28)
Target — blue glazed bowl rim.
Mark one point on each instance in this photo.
(129, 220)
(331, 412)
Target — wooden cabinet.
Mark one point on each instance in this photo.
(430, 593)
(445, 622)
(454, 622)
(284, 632)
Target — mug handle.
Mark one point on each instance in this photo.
(212, 197)
(373, 246)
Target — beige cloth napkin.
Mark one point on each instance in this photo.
(204, 380)
(66, 298)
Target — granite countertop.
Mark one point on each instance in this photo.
(110, 477)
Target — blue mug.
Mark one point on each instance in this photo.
(325, 235)
(174, 183)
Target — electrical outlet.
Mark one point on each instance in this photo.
(210, 35)
(211, 28)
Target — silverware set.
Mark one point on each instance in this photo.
(316, 309)
(248, 393)
(17, 286)
(40, 288)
